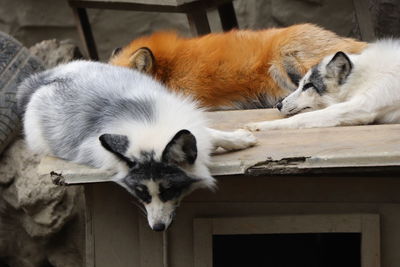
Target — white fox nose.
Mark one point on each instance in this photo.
(159, 227)
(279, 105)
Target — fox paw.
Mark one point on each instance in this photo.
(242, 139)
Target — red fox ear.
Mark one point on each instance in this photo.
(142, 60)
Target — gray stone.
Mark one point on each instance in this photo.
(40, 208)
(47, 206)
(36, 215)
(17, 248)
(53, 52)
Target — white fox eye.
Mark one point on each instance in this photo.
(308, 85)
(138, 188)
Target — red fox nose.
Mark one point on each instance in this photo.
(279, 105)
(159, 227)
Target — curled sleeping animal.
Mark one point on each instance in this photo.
(104, 116)
(345, 89)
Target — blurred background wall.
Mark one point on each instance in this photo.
(31, 21)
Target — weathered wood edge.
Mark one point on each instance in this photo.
(66, 173)
(327, 164)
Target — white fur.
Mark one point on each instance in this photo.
(49, 108)
(370, 94)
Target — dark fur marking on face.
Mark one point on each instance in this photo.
(290, 64)
(317, 81)
(294, 77)
(146, 156)
(307, 86)
(172, 180)
(139, 190)
(174, 189)
(142, 193)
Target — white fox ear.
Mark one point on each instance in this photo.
(116, 144)
(142, 60)
(339, 67)
(182, 149)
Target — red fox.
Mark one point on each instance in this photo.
(239, 69)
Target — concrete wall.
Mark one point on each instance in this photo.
(31, 21)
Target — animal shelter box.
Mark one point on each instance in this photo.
(298, 198)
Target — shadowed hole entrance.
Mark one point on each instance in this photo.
(287, 250)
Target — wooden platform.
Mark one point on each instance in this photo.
(370, 148)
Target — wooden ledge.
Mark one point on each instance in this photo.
(320, 150)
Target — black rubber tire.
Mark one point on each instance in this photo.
(15, 65)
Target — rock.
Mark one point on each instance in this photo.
(46, 207)
(41, 224)
(53, 52)
(18, 248)
(16, 245)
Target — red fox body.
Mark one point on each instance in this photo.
(236, 69)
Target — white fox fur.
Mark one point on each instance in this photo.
(115, 118)
(345, 90)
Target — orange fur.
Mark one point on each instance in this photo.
(222, 69)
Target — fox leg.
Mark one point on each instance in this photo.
(341, 114)
(235, 140)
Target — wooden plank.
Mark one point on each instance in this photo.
(186, 7)
(326, 188)
(198, 22)
(290, 224)
(370, 241)
(85, 32)
(115, 227)
(165, 248)
(298, 150)
(294, 151)
(364, 19)
(228, 16)
(151, 245)
(121, 5)
(182, 254)
(366, 224)
(147, 2)
(67, 172)
(89, 227)
(202, 242)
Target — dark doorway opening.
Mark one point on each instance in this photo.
(287, 250)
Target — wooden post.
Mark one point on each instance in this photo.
(364, 20)
(85, 32)
(198, 22)
(228, 17)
